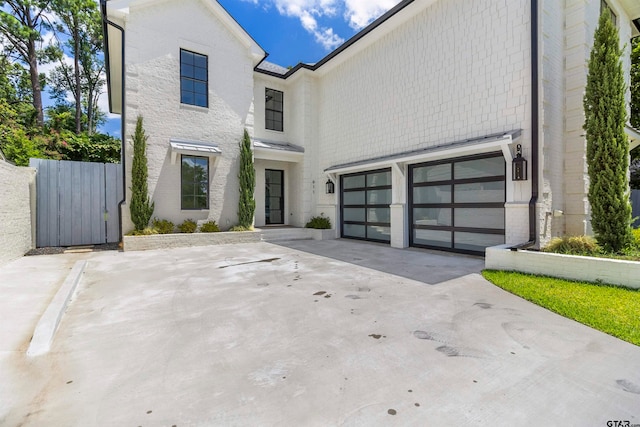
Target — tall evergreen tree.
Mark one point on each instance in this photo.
(141, 207)
(247, 177)
(607, 143)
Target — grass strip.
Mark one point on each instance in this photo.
(611, 309)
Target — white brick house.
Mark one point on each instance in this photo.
(416, 119)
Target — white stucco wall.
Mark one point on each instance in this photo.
(154, 37)
(17, 211)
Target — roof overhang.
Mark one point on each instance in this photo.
(486, 144)
(197, 148)
(634, 136)
(278, 151)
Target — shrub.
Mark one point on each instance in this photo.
(209, 227)
(163, 226)
(636, 237)
(573, 245)
(188, 226)
(319, 222)
(240, 228)
(247, 178)
(144, 232)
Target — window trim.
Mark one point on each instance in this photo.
(182, 156)
(206, 82)
(281, 111)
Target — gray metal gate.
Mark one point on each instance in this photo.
(77, 202)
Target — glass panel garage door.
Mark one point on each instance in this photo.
(365, 201)
(458, 204)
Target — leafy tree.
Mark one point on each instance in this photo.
(21, 26)
(78, 21)
(607, 143)
(247, 177)
(141, 207)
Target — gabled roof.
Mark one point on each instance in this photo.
(114, 14)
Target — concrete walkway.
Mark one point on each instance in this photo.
(265, 334)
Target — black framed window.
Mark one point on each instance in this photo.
(194, 76)
(604, 6)
(273, 109)
(194, 183)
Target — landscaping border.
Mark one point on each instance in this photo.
(183, 240)
(570, 267)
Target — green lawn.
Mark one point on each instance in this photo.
(613, 310)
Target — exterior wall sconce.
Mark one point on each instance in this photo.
(519, 166)
(330, 186)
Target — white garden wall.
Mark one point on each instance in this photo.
(570, 267)
(17, 211)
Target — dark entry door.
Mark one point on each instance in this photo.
(274, 196)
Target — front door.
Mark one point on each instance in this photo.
(274, 196)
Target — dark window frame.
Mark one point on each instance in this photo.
(186, 78)
(273, 124)
(452, 204)
(182, 195)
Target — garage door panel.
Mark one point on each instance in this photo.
(437, 238)
(432, 194)
(480, 192)
(476, 241)
(432, 216)
(365, 199)
(458, 204)
(480, 218)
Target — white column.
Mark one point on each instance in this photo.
(398, 207)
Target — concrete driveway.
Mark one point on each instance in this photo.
(312, 333)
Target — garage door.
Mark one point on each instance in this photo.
(458, 204)
(364, 201)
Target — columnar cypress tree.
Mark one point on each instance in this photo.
(607, 144)
(141, 207)
(247, 177)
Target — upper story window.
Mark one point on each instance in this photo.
(193, 79)
(273, 109)
(604, 6)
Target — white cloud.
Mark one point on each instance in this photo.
(360, 13)
(357, 13)
(308, 12)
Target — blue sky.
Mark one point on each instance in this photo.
(294, 31)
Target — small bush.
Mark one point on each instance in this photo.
(573, 245)
(319, 222)
(163, 226)
(144, 232)
(188, 226)
(636, 237)
(240, 228)
(209, 227)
